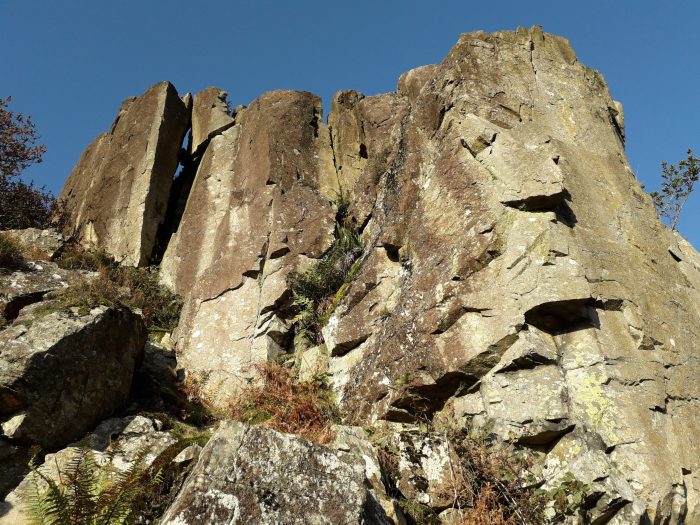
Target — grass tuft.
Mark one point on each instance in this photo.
(11, 253)
(134, 288)
(74, 257)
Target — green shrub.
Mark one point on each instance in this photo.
(160, 306)
(10, 252)
(676, 187)
(86, 493)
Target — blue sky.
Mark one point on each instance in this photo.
(71, 63)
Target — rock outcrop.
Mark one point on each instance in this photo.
(25, 286)
(210, 117)
(514, 275)
(117, 195)
(256, 475)
(259, 207)
(61, 373)
(529, 281)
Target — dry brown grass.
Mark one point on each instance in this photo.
(489, 485)
(278, 401)
(492, 484)
(32, 253)
(11, 252)
(487, 510)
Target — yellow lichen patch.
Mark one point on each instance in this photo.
(598, 410)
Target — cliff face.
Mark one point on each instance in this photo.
(513, 275)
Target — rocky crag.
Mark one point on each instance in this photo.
(509, 273)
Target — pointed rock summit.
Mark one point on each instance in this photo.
(117, 195)
(210, 116)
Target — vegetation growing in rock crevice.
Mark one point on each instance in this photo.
(280, 402)
(11, 254)
(318, 290)
(276, 399)
(492, 484)
(134, 288)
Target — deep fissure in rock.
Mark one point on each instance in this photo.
(177, 200)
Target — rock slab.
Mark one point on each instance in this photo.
(256, 475)
(260, 206)
(117, 195)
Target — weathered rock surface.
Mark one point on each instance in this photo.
(117, 195)
(259, 207)
(61, 374)
(427, 468)
(514, 275)
(117, 442)
(43, 242)
(354, 440)
(210, 116)
(30, 284)
(534, 286)
(256, 475)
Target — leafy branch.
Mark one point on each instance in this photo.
(677, 185)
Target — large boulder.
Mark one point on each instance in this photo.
(117, 195)
(61, 373)
(256, 475)
(260, 206)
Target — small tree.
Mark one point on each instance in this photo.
(22, 205)
(676, 187)
(17, 142)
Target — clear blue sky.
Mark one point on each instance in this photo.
(71, 63)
